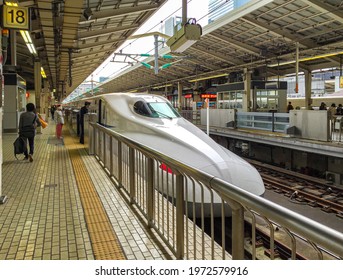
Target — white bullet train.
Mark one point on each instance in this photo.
(151, 120)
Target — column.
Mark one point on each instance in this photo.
(179, 99)
(38, 88)
(38, 84)
(308, 89)
(247, 88)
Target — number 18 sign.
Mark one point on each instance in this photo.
(14, 17)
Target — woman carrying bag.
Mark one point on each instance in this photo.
(59, 121)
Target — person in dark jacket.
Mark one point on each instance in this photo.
(83, 111)
(28, 122)
(52, 111)
(289, 107)
(322, 106)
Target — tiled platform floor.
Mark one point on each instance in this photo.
(43, 217)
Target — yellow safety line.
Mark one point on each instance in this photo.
(104, 241)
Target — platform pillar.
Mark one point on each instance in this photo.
(247, 88)
(179, 99)
(308, 88)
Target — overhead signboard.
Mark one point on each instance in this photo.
(15, 17)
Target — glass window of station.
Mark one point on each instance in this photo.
(230, 100)
(267, 100)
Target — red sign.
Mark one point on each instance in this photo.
(208, 95)
(188, 96)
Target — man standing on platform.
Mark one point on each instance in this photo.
(83, 111)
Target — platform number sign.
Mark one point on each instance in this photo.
(14, 17)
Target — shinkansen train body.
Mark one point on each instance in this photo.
(152, 121)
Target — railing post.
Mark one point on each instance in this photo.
(150, 201)
(111, 155)
(237, 229)
(273, 122)
(97, 149)
(120, 165)
(91, 141)
(132, 174)
(180, 210)
(104, 148)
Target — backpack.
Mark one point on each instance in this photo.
(19, 146)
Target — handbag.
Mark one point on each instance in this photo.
(19, 146)
(42, 121)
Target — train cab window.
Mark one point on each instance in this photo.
(155, 110)
(141, 108)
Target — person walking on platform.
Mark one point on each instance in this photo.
(28, 122)
(59, 122)
(83, 111)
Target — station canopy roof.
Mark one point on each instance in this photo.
(83, 32)
(262, 36)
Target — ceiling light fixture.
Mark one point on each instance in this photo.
(305, 59)
(28, 41)
(207, 78)
(42, 72)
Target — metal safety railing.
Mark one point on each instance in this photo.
(188, 208)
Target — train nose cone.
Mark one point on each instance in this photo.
(240, 174)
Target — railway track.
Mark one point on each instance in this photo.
(301, 188)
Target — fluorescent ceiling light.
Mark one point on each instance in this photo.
(42, 72)
(305, 59)
(11, 4)
(207, 78)
(162, 86)
(28, 41)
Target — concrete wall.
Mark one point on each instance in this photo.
(310, 124)
(218, 117)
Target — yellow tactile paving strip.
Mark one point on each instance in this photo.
(103, 238)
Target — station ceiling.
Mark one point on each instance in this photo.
(261, 36)
(62, 33)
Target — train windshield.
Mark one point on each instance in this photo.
(155, 110)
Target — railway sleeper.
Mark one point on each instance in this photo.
(327, 209)
(278, 190)
(313, 203)
(268, 253)
(340, 215)
(300, 198)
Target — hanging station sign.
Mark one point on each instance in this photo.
(208, 95)
(15, 17)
